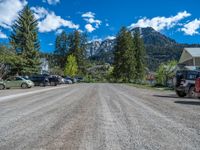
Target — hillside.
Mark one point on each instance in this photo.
(159, 48)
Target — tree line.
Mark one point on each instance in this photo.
(69, 58)
(70, 50)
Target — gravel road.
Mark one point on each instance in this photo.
(98, 117)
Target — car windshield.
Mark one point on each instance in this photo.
(188, 75)
(19, 79)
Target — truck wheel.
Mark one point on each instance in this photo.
(191, 93)
(24, 86)
(180, 94)
(2, 86)
(42, 84)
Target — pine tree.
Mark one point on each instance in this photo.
(71, 67)
(124, 63)
(24, 39)
(139, 57)
(77, 47)
(61, 49)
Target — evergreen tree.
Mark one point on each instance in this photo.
(71, 68)
(61, 49)
(77, 47)
(124, 63)
(139, 57)
(24, 39)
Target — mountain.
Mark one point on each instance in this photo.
(159, 48)
(101, 50)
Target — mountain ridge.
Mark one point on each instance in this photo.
(159, 48)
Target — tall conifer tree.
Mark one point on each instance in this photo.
(24, 39)
(77, 47)
(139, 57)
(61, 49)
(124, 62)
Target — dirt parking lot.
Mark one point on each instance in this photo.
(98, 117)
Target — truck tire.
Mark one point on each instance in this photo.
(181, 93)
(42, 84)
(2, 86)
(191, 92)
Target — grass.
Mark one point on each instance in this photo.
(150, 87)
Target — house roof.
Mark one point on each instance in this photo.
(194, 52)
(189, 53)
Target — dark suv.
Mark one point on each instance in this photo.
(185, 82)
(39, 80)
(53, 80)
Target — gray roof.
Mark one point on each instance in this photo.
(194, 52)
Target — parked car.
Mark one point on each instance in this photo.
(16, 82)
(197, 87)
(79, 79)
(67, 81)
(53, 80)
(60, 79)
(40, 80)
(185, 82)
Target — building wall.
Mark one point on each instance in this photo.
(44, 66)
(188, 62)
(197, 61)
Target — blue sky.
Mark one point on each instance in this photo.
(101, 19)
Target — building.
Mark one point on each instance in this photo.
(190, 57)
(44, 66)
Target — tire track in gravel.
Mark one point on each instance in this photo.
(8, 107)
(161, 130)
(187, 115)
(97, 117)
(37, 128)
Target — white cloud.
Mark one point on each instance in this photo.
(107, 25)
(160, 23)
(39, 12)
(92, 23)
(88, 15)
(9, 10)
(53, 22)
(2, 35)
(89, 28)
(59, 31)
(51, 2)
(92, 20)
(110, 38)
(49, 21)
(50, 44)
(191, 27)
(79, 30)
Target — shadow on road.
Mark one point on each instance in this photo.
(166, 96)
(188, 102)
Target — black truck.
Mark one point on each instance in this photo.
(185, 82)
(39, 80)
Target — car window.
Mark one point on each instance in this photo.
(18, 79)
(192, 75)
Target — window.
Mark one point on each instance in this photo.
(192, 75)
(18, 79)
